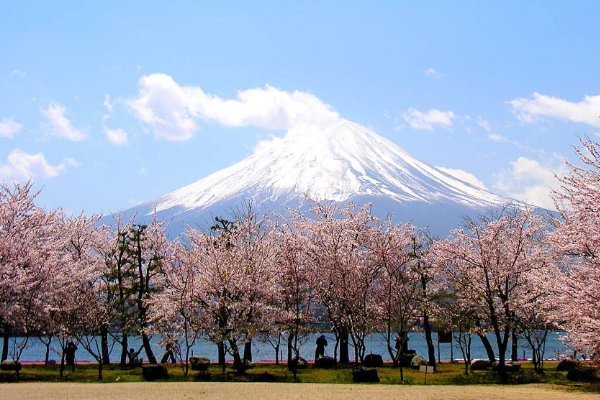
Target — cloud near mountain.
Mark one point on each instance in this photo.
(175, 112)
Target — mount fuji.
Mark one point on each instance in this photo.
(343, 162)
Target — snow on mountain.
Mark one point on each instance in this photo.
(343, 162)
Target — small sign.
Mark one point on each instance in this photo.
(426, 368)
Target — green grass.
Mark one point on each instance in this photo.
(447, 374)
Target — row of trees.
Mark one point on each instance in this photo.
(513, 274)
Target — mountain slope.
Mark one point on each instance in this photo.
(344, 162)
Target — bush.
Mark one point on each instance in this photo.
(266, 377)
(373, 361)
(480, 365)
(153, 372)
(513, 367)
(582, 374)
(10, 365)
(199, 363)
(245, 365)
(567, 364)
(368, 375)
(325, 362)
(298, 363)
(510, 366)
(203, 376)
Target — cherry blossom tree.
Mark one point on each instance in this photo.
(535, 317)
(428, 294)
(294, 298)
(80, 262)
(489, 263)
(399, 288)
(176, 311)
(577, 240)
(90, 316)
(29, 256)
(337, 248)
(235, 281)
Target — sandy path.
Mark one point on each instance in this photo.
(279, 391)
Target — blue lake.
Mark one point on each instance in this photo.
(263, 351)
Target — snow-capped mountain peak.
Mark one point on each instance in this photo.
(342, 161)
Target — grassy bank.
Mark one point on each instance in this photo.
(447, 374)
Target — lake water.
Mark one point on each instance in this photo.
(262, 351)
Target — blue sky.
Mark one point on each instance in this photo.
(106, 104)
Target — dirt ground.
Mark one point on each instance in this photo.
(279, 391)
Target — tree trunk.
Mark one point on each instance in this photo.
(401, 370)
(336, 347)
(104, 345)
(148, 348)
(5, 341)
(248, 350)
(290, 351)
(47, 355)
(62, 363)
(238, 363)
(488, 348)
(124, 349)
(429, 340)
(501, 368)
(221, 352)
(344, 356)
(427, 325)
(296, 355)
(100, 365)
(514, 356)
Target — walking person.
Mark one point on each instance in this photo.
(169, 353)
(70, 354)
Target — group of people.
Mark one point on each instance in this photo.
(132, 355)
(169, 355)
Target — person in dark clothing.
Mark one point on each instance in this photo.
(134, 360)
(169, 353)
(321, 343)
(70, 354)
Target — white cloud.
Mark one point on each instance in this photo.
(173, 111)
(136, 202)
(22, 166)
(484, 124)
(117, 136)
(464, 176)
(9, 127)
(586, 111)
(143, 170)
(530, 181)
(110, 107)
(433, 73)
(496, 137)
(427, 120)
(59, 125)
(18, 72)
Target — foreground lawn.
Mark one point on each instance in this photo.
(278, 391)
